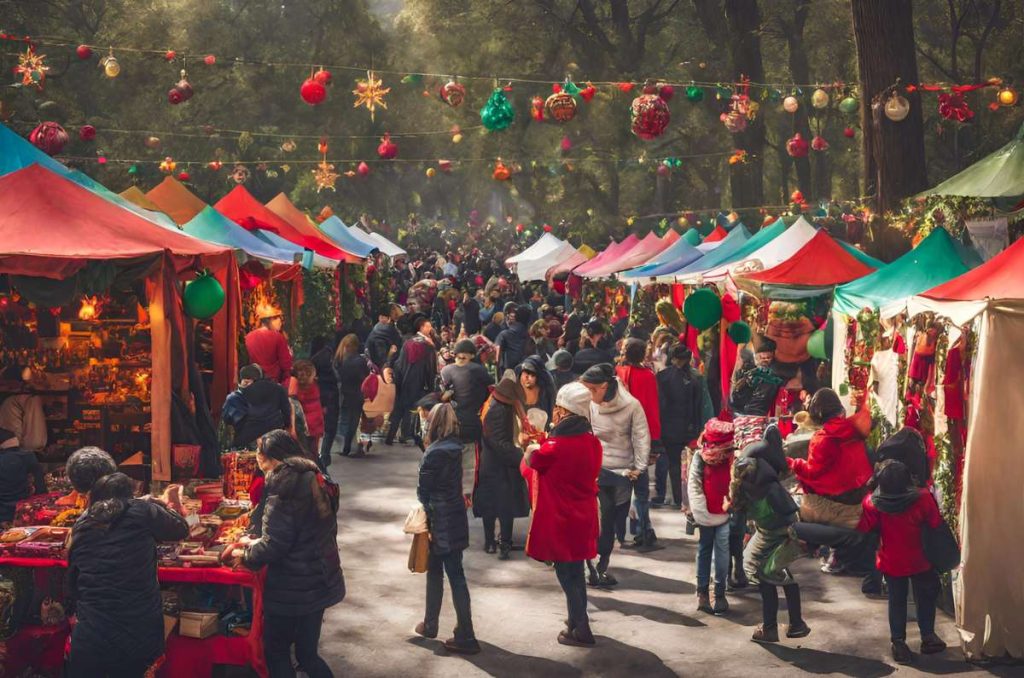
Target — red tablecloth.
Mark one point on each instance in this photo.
(43, 647)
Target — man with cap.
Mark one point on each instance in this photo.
(259, 405)
(21, 475)
(560, 366)
(384, 339)
(564, 528)
(620, 424)
(267, 346)
(465, 384)
(415, 373)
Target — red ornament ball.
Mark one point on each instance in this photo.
(848, 132)
(83, 52)
(102, 160)
(171, 55)
(664, 170)
(452, 93)
(818, 143)
(650, 116)
(312, 92)
(209, 59)
(363, 169)
(520, 228)
(49, 137)
(387, 149)
(797, 146)
(184, 176)
(323, 77)
(666, 91)
(86, 132)
(547, 228)
(796, 196)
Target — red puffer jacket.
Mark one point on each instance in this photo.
(837, 459)
(643, 385)
(900, 551)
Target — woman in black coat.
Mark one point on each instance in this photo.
(112, 575)
(500, 493)
(440, 491)
(300, 551)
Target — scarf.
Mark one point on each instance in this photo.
(714, 455)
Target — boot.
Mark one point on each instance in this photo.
(901, 653)
(721, 604)
(422, 629)
(704, 601)
(766, 634)
(579, 636)
(932, 644)
(462, 645)
(504, 550)
(798, 630)
(738, 580)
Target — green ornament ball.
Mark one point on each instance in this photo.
(203, 297)
(816, 345)
(497, 114)
(740, 332)
(849, 105)
(702, 309)
(694, 93)
(134, 169)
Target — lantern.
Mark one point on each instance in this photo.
(49, 137)
(790, 104)
(819, 99)
(649, 113)
(897, 108)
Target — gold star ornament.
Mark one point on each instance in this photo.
(32, 68)
(370, 93)
(324, 174)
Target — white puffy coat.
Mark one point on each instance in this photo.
(621, 426)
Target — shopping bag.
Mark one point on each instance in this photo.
(416, 521)
(419, 553)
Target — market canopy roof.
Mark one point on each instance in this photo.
(296, 252)
(769, 246)
(934, 261)
(642, 251)
(383, 244)
(821, 262)
(537, 268)
(720, 255)
(336, 230)
(286, 209)
(1001, 277)
(46, 216)
(583, 254)
(133, 195)
(997, 175)
(677, 255)
(718, 234)
(693, 237)
(610, 254)
(545, 244)
(173, 199)
(212, 226)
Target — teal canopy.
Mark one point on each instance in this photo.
(722, 254)
(934, 261)
(335, 229)
(693, 237)
(860, 256)
(212, 226)
(997, 175)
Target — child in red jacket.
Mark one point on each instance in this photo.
(708, 484)
(303, 387)
(899, 510)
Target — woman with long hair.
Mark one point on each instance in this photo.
(351, 369)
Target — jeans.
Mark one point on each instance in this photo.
(669, 467)
(926, 593)
(613, 520)
(713, 540)
(330, 405)
(770, 604)
(348, 425)
(642, 501)
(437, 566)
(280, 632)
(570, 577)
(505, 536)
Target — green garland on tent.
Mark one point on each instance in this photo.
(945, 480)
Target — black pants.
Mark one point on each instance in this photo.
(671, 469)
(99, 665)
(737, 532)
(770, 604)
(613, 522)
(331, 407)
(405, 419)
(506, 529)
(281, 632)
(350, 424)
(570, 577)
(437, 567)
(926, 593)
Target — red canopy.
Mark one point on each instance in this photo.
(819, 263)
(297, 219)
(714, 236)
(1001, 277)
(44, 216)
(241, 207)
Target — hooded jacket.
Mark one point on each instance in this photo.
(546, 385)
(299, 542)
(621, 426)
(759, 491)
(379, 342)
(440, 491)
(837, 460)
(900, 521)
(681, 402)
(258, 408)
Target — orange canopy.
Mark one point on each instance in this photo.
(286, 209)
(136, 197)
(172, 198)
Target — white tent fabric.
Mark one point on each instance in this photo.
(773, 253)
(377, 240)
(545, 245)
(706, 247)
(574, 260)
(537, 268)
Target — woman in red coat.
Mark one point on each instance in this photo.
(564, 528)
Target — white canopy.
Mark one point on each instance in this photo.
(776, 251)
(536, 269)
(544, 246)
(377, 240)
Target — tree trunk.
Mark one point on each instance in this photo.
(747, 179)
(894, 159)
(800, 69)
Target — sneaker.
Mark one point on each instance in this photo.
(765, 634)
(901, 653)
(601, 580)
(798, 630)
(932, 644)
(721, 605)
(491, 547)
(425, 631)
(658, 503)
(462, 646)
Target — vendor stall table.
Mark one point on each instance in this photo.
(42, 647)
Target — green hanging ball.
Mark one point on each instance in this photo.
(739, 332)
(702, 309)
(203, 297)
(849, 105)
(133, 170)
(816, 345)
(694, 94)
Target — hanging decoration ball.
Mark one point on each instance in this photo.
(797, 146)
(181, 92)
(111, 68)
(203, 297)
(457, 138)
(796, 197)
(664, 170)
(849, 105)
(1007, 96)
(167, 166)
(209, 59)
(953, 106)
(83, 52)
(445, 166)
(363, 169)
(739, 332)
(818, 143)
(649, 114)
(86, 132)
(388, 149)
(520, 228)
(102, 159)
(666, 91)
(170, 55)
(312, 92)
(547, 228)
(588, 92)
(501, 171)
(323, 77)
(566, 145)
(816, 345)
(694, 94)
(537, 109)
(49, 137)
(133, 170)
(452, 93)
(497, 114)
(561, 106)
(702, 309)
(184, 176)
(215, 165)
(819, 99)
(848, 132)
(790, 104)
(431, 172)
(897, 108)
(152, 142)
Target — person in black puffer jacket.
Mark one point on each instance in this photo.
(300, 551)
(112, 573)
(257, 406)
(440, 491)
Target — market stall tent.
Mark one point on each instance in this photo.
(175, 200)
(537, 269)
(997, 175)
(383, 244)
(284, 208)
(545, 244)
(821, 262)
(769, 246)
(133, 195)
(693, 237)
(336, 231)
(678, 254)
(692, 271)
(212, 226)
(583, 254)
(642, 251)
(610, 254)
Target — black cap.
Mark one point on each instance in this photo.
(603, 373)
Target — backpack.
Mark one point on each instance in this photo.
(331, 489)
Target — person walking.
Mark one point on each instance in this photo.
(415, 373)
(681, 400)
(259, 405)
(500, 493)
(351, 369)
(303, 388)
(512, 341)
(619, 423)
(642, 384)
(298, 546)
(565, 526)
(384, 340)
(708, 486)
(330, 395)
(466, 384)
(440, 492)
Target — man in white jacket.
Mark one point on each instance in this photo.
(620, 424)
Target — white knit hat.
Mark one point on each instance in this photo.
(574, 397)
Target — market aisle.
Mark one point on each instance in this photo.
(647, 627)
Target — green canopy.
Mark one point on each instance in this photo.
(693, 237)
(860, 256)
(998, 175)
(934, 261)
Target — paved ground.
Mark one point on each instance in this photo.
(648, 627)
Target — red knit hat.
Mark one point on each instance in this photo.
(718, 434)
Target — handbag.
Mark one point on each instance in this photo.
(419, 553)
(940, 547)
(416, 521)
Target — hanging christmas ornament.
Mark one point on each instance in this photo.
(797, 146)
(288, 145)
(625, 87)
(215, 165)
(588, 92)
(537, 109)
(431, 172)
(109, 64)
(452, 93)
(501, 172)
(323, 77)
(209, 59)
(32, 68)
(819, 99)
(666, 91)
(445, 166)
(561, 105)
(181, 92)
(387, 150)
(86, 132)
(497, 114)
(101, 159)
(412, 79)
(694, 94)
(363, 169)
(203, 297)
(152, 142)
(324, 173)
(953, 106)
(649, 113)
(897, 108)
(818, 143)
(240, 174)
(796, 197)
(520, 228)
(848, 132)
(1007, 96)
(83, 52)
(184, 176)
(566, 145)
(370, 93)
(849, 105)
(170, 55)
(312, 92)
(167, 166)
(790, 104)
(741, 108)
(664, 170)
(49, 137)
